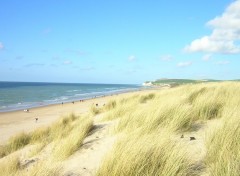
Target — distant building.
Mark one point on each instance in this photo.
(148, 84)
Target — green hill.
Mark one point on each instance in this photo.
(176, 82)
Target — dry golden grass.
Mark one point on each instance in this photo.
(95, 110)
(145, 98)
(37, 148)
(44, 135)
(67, 135)
(15, 143)
(145, 150)
(223, 147)
(146, 155)
(110, 105)
(70, 144)
(121, 107)
(150, 126)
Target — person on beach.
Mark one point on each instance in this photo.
(36, 119)
(26, 110)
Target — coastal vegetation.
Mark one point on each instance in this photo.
(189, 130)
(178, 82)
(64, 136)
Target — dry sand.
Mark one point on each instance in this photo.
(12, 123)
(87, 160)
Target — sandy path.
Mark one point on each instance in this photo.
(197, 148)
(87, 160)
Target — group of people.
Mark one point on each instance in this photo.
(74, 102)
(36, 119)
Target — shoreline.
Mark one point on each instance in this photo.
(15, 122)
(44, 103)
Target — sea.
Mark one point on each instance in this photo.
(25, 95)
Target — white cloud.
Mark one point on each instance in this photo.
(222, 62)
(207, 57)
(1, 46)
(184, 64)
(225, 34)
(67, 62)
(132, 58)
(166, 57)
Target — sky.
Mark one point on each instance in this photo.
(127, 41)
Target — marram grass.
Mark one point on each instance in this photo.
(46, 135)
(223, 146)
(149, 127)
(70, 144)
(146, 155)
(67, 135)
(145, 149)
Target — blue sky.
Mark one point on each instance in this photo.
(127, 41)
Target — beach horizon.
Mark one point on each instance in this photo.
(25, 95)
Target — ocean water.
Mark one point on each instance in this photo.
(23, 95)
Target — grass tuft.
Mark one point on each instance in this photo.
(145, 98)
(95, 110)
(223, 156)
(19, 141)
(43, 135)
(110, 105)
(70, 144)
(15, 143)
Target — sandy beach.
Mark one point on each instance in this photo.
(12, 123)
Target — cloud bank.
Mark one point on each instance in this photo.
(225, 34)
